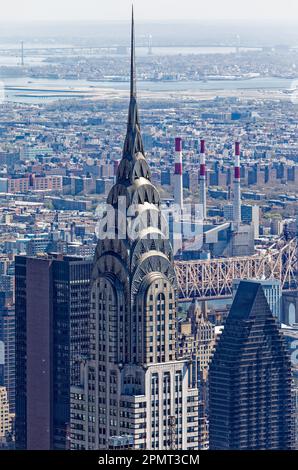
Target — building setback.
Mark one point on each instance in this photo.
(52, 337)
(250, 400)
(196, 339)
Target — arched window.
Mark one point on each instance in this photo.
(292, 314)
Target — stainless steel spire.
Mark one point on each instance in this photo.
(133, 141)
(133, 90)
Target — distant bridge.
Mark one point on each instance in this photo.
(207, 279)
(92, 50)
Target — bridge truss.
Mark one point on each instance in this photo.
(213, 278)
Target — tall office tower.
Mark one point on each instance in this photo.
(178, 175)
(5, 419)
(237, 190)
(203, 179)
(196, 340)
(52, 337)
(7, 336)
(133, 384)
(250, 378)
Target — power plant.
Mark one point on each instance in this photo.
(233, 237)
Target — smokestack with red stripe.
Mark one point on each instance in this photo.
(203, 180)
(178, 178)
(237, 190)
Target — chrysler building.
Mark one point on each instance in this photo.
(134, 390)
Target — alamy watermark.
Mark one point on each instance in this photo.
(182, 226)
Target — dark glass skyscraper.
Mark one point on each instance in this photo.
(52, 337)
(250, 401)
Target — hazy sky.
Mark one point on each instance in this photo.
(26, 10)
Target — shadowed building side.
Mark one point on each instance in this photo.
(52, 337)
(250, 398)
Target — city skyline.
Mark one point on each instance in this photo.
(149, 259)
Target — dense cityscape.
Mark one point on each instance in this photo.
(166, 338)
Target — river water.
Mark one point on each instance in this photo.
(38, 90)
(24, 89)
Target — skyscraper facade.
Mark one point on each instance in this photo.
(250, 379)
(196, 340)
(133, 385)
(5, 418)
(52, 337)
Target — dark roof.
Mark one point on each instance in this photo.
(247, 294)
